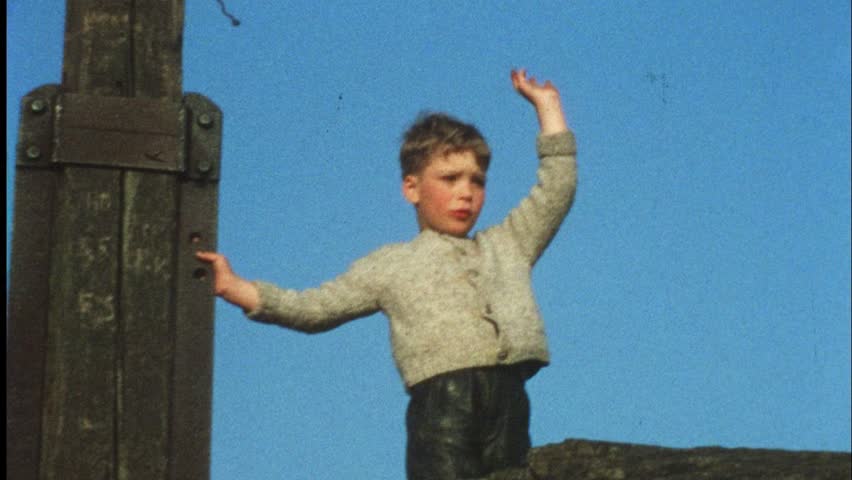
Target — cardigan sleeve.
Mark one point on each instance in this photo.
(351, 295)
(535, 221)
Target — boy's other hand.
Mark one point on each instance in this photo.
(227, 284)
(222, 272)
(545, 99)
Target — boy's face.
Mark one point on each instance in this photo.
(448, 193)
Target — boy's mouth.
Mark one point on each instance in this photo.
(461, 214)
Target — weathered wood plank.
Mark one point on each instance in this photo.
(146, 334)
(79, 417)
(131, 132)
(29, 292)
(81, 393)
(27, 320)
(125, 327)
(193, 367)
(124, 48)
(97, 55)
(157, 40)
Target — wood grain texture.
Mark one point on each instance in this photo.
(110, 321)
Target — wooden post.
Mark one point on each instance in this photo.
(110, 317)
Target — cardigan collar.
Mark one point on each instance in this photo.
(464, 245)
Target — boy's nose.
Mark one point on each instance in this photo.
(465, 190)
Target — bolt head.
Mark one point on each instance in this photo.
(38, 106)
(205, 120)
(33, 152)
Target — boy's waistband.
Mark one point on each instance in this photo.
(522, 370)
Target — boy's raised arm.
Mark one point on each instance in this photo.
(533, 223)
(545, 99)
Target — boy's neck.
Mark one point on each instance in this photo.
(443, 234)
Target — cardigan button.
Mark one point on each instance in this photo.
(502, 355)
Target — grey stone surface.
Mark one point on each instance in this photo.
(593, 460)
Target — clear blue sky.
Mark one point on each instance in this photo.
(697, 294)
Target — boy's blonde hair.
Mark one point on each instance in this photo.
(439, 133)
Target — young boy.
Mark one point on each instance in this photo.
(465, 329)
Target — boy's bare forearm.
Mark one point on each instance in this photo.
(551, 118)
(243, 294)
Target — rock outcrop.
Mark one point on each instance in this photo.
(592, 460)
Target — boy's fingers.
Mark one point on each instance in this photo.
(209, 257)
(516, 79)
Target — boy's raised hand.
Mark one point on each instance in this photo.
(545, 99)
(530, 89)
(227, 284)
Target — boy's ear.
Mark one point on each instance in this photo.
(410, 189)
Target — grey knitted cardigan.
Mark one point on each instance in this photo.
(452, 302)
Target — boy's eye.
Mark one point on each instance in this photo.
(479, 181)
(450, 178)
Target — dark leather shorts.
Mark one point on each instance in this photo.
(468, 423)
